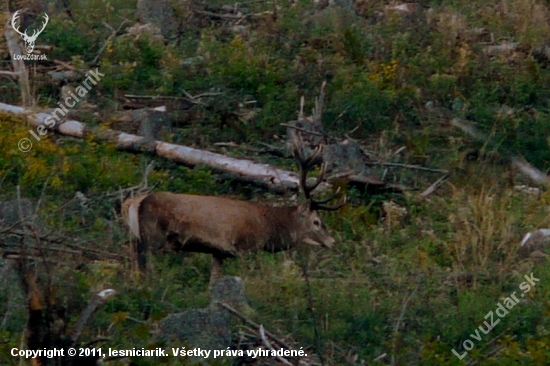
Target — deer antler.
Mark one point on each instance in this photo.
(13, 19)
(46, 19)
(305, 164)
(320, 205)
(35, 33)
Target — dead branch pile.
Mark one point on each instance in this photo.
(42, 265)
(254, 337)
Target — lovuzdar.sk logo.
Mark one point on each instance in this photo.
(30, 40)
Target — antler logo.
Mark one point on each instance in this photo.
(29, 40)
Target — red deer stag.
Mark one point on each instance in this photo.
(225, 227)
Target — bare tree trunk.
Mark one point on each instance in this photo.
(18, 65)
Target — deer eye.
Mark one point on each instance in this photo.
(317, 222)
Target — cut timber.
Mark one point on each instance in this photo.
(277, 180)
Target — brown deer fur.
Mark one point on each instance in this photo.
(219, 226)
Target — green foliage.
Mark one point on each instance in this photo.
(132, 65)
(68, 38)
(195, 181)
(361, 99)
(81, 165)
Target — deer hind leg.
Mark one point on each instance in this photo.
(141, 256)
(152, 239)
(216, 270)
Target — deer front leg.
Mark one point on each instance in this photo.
(215, 270)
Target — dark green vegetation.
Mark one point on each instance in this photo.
(412, 287)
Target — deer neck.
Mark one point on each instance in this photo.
(281, 227)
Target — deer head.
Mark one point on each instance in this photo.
(29, 40)
(314, 231)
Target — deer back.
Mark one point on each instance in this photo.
(199, 223)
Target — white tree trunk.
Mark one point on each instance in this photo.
(274, 179)
(19, 68)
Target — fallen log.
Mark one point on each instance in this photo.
(274, 179)
(516, 161)
(501, 48)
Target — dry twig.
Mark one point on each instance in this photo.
(111, 36)
(87, 313)
(431, 189)
(268, 345)
(303, 129)
(408, 166)
(398, 323)
(252, 323)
